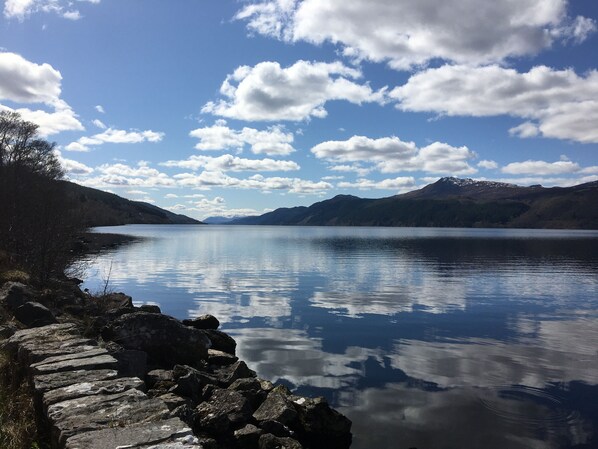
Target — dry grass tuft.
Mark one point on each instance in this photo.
(18, 427)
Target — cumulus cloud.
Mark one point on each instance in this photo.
(273, 141)
(407, 33)
(540, 168)
(111, 135)
(209, 179)
(228, 162)
(556, 103)
(25, 82)
(99, 124)
(392, 155)
(21, 9)
(124, 175)
(488, 165)
(270, 92)
(72, 167)
(400, 184)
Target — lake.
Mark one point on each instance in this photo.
(424, 338)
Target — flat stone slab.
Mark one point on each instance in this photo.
(90, 363)
(169, 431)
(47, 382)
(36, 353)
(94, 352)
(88, 413)
(40, 334)
(92, 388)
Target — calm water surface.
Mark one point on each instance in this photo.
(427, 338)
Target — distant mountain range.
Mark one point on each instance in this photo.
(99, 208)
(220, 220)
(452, 202)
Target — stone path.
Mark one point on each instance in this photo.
(86, 403)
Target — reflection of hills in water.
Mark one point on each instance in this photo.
(426, 342)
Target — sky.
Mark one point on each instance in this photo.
(224, 107)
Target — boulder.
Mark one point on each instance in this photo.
(221, 341)
(269, 441)
(238, 370)
(92, 388)
(166, 341)
(190, 382)
(219, 358)
(173, 401)
(150, 308)
(251, 389)
(34, 314)
(277, 407)
(48, 382)
(225, 410)
(158, 375)
(15, 294)
(131, 362)
(322, 426)
(247, 437)
(7, 330)
(203, 322)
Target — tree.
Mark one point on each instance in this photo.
(38, 224)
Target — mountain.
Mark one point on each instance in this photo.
(98, 208)
(452, 202)
(221, 220)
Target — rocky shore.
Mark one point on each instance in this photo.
(106, 374)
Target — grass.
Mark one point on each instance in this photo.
(18, 427)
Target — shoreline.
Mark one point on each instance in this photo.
(187, 370)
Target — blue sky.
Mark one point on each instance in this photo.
(210, 107)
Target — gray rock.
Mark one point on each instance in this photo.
(40, 336)
(164, 338)
(150, 308)
(131, 363)
(277, 429)
(94, 352)
(203, 322)
(224, 410)
(238, 370)
(173, 401)
(220, 358)
(91, 363)
(269, 441)
(136, 435)
(221, 341)
(47, 382)
(7, 330)
(36, 351)
(84, 414)
(190, 382)
(277, 407)
(15, 294)
(247, 437)
(92, 388)
(34, 314)
(323, 427)
(158, 375)
(251, 389)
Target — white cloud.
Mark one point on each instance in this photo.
(171, 195)
(228, 162)
(207, 180)
(99, 124)
(409, 33)
(400, 184)
(100, 109)
(141, 175)
(540, 168)
(269, 92)
(25, 82)
(111, 135)
(488, 165)
(21, 9)
(392, 155)
(273, 141)
(72, 167)
(72, 15)
(559, 103)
